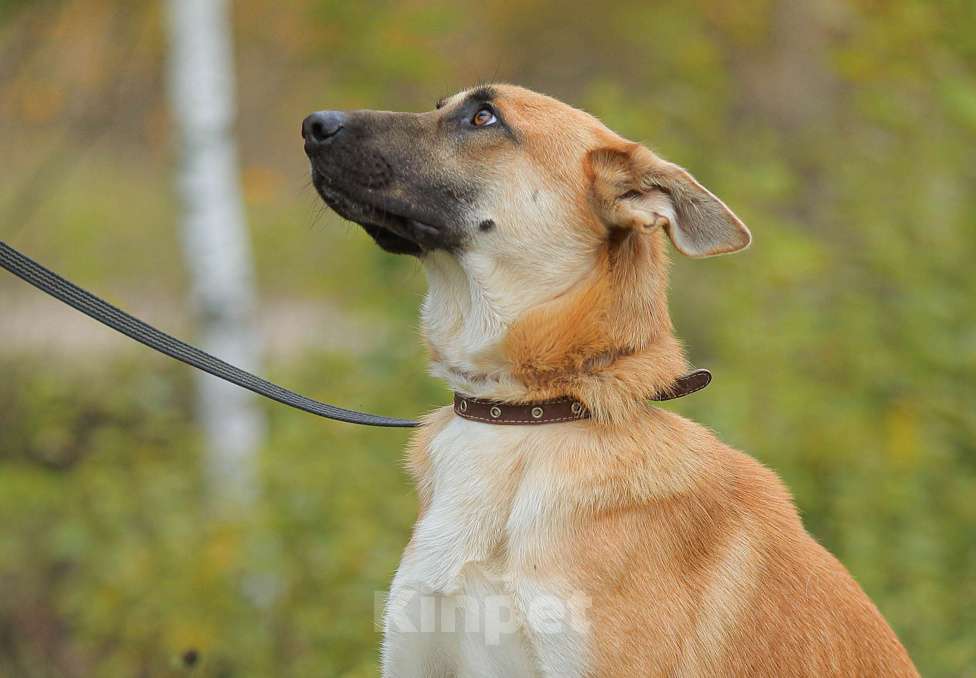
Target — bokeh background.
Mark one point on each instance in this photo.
(843, 342)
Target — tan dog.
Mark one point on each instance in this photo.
(631, 543)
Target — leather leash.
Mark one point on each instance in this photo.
(562, 409)
(120, 321)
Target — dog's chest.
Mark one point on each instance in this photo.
(477, 474)
(466, 592)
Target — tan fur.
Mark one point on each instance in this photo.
(691, 554)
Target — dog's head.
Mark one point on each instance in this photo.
(540, 230)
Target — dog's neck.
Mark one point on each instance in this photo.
(470, 306)
(598, 331)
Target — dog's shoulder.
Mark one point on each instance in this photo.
(734, 475)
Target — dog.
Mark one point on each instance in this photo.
(617, 540)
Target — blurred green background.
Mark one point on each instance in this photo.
(843, 342)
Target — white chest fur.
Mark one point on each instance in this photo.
(468, 598)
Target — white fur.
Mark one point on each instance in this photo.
(492, 518)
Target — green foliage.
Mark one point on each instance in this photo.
(11, 6)
(108, 537)
(843, 342)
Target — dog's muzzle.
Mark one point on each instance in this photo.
(379, 170)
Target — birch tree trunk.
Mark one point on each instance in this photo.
(215, 240)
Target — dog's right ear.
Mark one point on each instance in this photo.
(633, 189)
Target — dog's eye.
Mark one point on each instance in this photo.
(483, 117)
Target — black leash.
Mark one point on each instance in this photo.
(120, 321)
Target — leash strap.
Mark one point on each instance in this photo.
(98, 309)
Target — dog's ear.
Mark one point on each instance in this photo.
(636, 190)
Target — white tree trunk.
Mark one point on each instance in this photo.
(215, 240)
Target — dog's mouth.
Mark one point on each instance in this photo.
(395, 228)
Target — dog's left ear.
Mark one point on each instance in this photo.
(634, 189)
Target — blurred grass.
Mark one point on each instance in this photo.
(843, 342)
(102, 497)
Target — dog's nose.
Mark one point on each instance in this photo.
(321, 126)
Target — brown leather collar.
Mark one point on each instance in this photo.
(559, 409)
